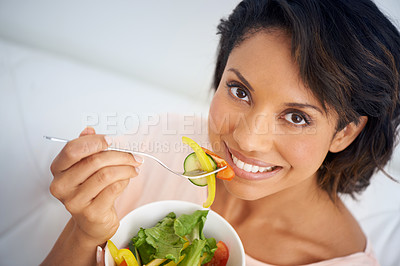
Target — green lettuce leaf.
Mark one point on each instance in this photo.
(209, 249)
(193, 253)
(163, 238)
(159, 241)
(145, 250)
(166, 239)
(191, 225)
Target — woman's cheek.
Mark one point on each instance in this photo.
(219, 116)
(304, 152)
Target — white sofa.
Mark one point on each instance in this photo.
(43, 93)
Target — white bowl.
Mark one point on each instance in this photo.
(148, 215)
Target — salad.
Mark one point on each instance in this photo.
(173, 241)
(180, 241)
(206, 160)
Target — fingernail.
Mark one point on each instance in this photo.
(90, 129)
(109, 140)
(99, 254)
(137, 170)
(138, 159)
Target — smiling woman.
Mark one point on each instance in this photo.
(350, 76)
(306, 107)
(302, 114)
(286, 152)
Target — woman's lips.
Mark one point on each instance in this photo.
(256, 170)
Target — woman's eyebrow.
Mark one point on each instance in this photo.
(297, 105)
(242, 79)
(303, 105)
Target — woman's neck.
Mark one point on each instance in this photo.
(303, 214)
(289, 204)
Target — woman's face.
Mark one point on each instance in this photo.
(265, 122)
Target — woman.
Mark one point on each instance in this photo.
(306, 107)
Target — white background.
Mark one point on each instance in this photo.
(170, 43)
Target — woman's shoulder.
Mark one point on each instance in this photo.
(365, 258)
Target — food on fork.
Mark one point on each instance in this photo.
(226, 174)
(203, 159)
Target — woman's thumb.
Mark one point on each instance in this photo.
(87, 131)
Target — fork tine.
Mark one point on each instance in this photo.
(205, 174)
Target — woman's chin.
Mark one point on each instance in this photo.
(244, 191)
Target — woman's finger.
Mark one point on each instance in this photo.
(96, 183)
(77, 149)
(87, 131)
(106, 198)
(78, 173)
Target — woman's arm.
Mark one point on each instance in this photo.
(87, 180)
(72, 248)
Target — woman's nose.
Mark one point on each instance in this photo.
(253, 132)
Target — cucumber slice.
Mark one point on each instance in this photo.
(191, 163)
(135, 253)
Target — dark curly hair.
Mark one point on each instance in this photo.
(348, 54)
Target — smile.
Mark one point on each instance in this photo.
(250, 167)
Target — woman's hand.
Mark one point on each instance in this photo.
(87, 180)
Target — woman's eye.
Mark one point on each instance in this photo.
(296, 119)
(239, 93)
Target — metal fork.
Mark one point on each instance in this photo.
(190, 174)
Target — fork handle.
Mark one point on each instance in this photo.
(113, 149)
(108, 149)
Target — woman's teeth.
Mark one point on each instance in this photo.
(251, 168)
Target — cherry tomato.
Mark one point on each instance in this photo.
(226, 174)
(221, 255)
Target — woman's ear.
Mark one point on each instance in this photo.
(347, 135)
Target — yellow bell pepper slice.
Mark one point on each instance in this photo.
(206, 166)
(171, 263)
(156, 262)
(119, 255)
(113, 251)
(128, 256)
